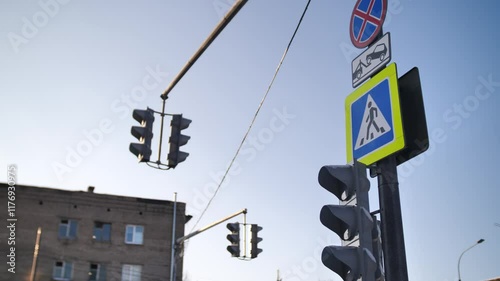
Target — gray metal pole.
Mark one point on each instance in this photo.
(218, 29)
(460, 258)
(172, 258)
(161, 131)
(180, 240)
(393, 243)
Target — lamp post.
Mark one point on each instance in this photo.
(475, 244)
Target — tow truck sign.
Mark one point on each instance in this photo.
(371, 60)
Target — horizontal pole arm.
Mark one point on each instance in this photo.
(184, 238)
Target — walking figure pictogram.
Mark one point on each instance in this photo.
(374, 124)
(371, 121)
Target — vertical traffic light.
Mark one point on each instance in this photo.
(348, 221)
(143, 133)
(377, 249)
(255, 251)
(234, 238)
(175, 156)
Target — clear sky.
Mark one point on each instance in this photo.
(73, 71)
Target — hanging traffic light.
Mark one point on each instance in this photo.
(234, 238)
(255, 251)
(143, 133)
(175, 156)
(348, 222)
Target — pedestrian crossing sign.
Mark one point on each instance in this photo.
(374, 127)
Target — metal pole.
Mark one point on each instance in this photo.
(35, 254)
(180, 240)
(172, 258)
(475, 244)
(222, 24)
(245, 234)
(393, 243)
(161, 131)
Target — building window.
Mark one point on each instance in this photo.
(97, 272)
(67, 229)
(62, 270)
(131, 272)
(134, 234)
(102, 231)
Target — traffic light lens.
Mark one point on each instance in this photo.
(234, 238)
(143, 133)
(337, 180)
(175, 156)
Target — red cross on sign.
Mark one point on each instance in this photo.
(366, 21)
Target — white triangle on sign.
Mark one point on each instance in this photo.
(373, 124)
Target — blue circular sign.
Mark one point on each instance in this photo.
(366, 21)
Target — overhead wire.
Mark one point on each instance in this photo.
(254, 117)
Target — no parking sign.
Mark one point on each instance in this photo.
(366, 21)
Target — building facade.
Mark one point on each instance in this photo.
(89, 236)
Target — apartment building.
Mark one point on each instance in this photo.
(89, 236)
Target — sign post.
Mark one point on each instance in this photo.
(393, 243)
(375, 127)
(385, 126)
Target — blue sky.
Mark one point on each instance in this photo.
(74, 74)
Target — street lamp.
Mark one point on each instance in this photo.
(475, 244)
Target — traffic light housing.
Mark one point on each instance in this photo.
(255, 251)
(234, 238)
(144, 133)
(377, 249)
(177, 139)
(350, 185)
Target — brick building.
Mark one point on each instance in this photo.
(90, 236)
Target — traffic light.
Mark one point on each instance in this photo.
(377, 249)
(234, 238)
(175, 156)
(348, 222)
(255, 251)
(143, 133)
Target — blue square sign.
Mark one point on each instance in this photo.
(373, 119)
